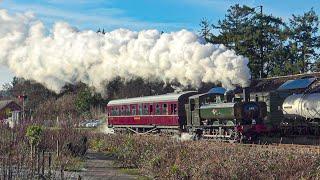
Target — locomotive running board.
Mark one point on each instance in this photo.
(216, 136)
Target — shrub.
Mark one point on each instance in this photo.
(166, 158)
(34, 133)
(97, 144)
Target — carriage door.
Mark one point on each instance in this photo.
(151, 109)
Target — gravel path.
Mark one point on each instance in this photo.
(101, 166)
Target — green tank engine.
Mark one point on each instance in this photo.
(219, 116)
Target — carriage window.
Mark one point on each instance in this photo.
(145, 110)
(170, 109)
(133, 109)
(127, 110)
(164, 109)
(140, 109)
(117, 111)
(122, 110)
(157, 109)
(112, 111)
(175, 109)
(151, 109)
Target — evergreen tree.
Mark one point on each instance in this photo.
(304, 42)
(254, 35)
(205, 30)
(83, 101)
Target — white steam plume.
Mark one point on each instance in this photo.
(65, 55)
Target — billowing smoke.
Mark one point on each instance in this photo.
(65, 55)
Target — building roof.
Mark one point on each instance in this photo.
(4, 103)
(146, 99)
(273, 83)
(297, 84)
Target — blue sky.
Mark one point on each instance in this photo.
(164, 15)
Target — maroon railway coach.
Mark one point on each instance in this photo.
(149, 113)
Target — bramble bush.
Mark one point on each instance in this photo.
(167, 158)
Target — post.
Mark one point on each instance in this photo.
(42, 163)
(261, 42)
(57, 147)
(38, 163)
(61, 172)
(49, 163)
(23, 110)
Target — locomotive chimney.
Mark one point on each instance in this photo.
(246, 94)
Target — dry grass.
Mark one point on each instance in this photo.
(166, 158)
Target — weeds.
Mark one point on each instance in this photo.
(165, 158)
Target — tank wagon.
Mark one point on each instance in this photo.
(301, 114)
(211, 115)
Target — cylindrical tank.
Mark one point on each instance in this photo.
(302, 106)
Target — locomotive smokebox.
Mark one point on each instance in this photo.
(246, 94)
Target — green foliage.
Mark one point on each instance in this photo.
(304, 39)
(97, 144)
(34, 133)
(273, 47)
(205, 30)
(257, 36)
(83, 101)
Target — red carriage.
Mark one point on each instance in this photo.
(150, 113)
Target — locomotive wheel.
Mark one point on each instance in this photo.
(235, 136)
(197, 135)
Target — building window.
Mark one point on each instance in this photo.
(164, 109)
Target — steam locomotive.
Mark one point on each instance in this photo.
(215, 114)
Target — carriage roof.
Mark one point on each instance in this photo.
(146, 99)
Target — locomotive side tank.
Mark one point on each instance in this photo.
(305, 106)
(233, 110)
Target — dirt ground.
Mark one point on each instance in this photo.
(100, 166)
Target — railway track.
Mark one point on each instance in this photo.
(309, 149)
